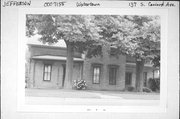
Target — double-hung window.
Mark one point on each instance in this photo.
(96, 74)
(47, 72)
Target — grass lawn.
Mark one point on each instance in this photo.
(61, 93)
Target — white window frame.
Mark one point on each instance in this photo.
(47, 72)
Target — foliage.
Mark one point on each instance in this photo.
(154, 84)
(130, 88)
(79, 30)
(156, 61)
(80, 84)
(147, 90)
(138, 36)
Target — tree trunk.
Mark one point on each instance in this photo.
(139, 75)
(69, 66)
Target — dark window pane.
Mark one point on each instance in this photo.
(128, 78)
(112, 75)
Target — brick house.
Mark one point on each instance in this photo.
(46, 67)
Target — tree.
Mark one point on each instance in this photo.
(139, 37)
(79, 33)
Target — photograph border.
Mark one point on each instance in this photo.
(22, 107)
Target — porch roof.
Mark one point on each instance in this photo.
(58, 58)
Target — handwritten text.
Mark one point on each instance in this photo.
(16, 3)
(85, 4)
(54, 4)
(151, 4)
